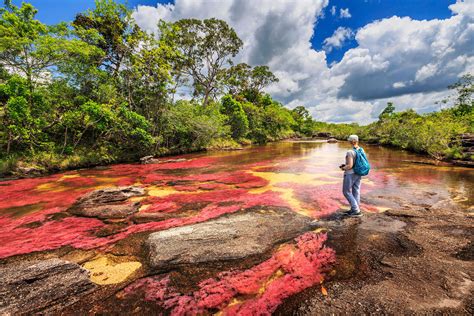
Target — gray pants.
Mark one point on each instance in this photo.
(351, 190)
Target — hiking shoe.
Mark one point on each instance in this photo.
(354, 213)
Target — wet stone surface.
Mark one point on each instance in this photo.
(48, 285)
(103, 203)
(229, 237)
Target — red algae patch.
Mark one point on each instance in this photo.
(17, 238)
(177, 193)
(258, 290)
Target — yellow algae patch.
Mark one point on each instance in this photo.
(166, 190)
(56, 186)
(104, 271)
(144, 207)
(272, 278)
(288, 193)
(69, 176)
(161, 191)
(137, 198)
(302, 178)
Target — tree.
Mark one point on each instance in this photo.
(242, 79)
(30, 48)
(303, 120)
(205, 47)
(146, 77)
(465, 91)
(261, 77)
(237, 119)
(110, 28)
(389, 109)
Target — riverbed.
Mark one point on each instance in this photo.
(415, 215)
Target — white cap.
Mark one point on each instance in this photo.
(353, 138)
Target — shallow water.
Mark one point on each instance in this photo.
(301, 176)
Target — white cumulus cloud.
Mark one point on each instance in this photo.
(399, 59)
(344, 13)
(338, 38)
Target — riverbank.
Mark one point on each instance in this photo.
(47, 163)
(415, 259)
(50, 164)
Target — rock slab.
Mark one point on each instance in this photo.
(108, 203)
(41, 286)
(230, 237)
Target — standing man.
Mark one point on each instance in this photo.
(351, 183)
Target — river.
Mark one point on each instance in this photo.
(301, 176)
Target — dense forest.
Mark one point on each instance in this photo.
(101, 90)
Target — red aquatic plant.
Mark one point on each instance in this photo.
(290, 270)
(39, 231)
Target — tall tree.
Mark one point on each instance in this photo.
(206, 47)
(465, 94)
(30, 48)
(242, 79)
(109, 27)
(389, 109)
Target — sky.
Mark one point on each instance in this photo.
(342, 59)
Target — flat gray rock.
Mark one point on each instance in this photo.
(41, 286)
(229, 237)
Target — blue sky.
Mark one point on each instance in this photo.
(365, 11)
(362, 12)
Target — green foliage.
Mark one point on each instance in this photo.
(433, 133)
(205, 46)
(464, 103)
(303, 121)
(101, 90)
(389, 109)
(236, 117)
(188, 127)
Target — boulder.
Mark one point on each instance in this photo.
(107, 203)
(107, 211)
(150, 160)
(230, 237)
(41, 286)
(147, 159)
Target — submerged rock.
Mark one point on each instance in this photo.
(229, 237)
(105, 203)
(48, 285)
(151, 160)
(332, 140)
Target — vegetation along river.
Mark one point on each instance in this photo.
(234, 233)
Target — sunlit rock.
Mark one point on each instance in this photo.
(229, 237)
(106, 203)
(41, 286)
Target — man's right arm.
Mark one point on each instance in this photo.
(349, 162)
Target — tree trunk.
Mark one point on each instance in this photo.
(206, 97)
(65, 141)
(9, 142)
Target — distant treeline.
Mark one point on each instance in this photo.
(101, 90)
(436, 133)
